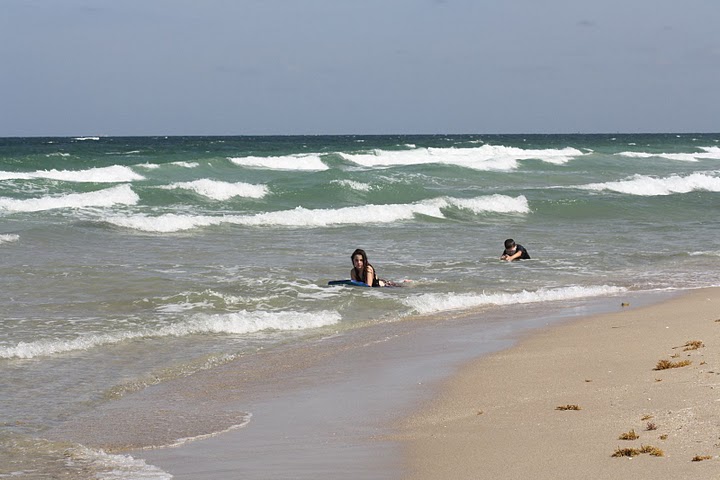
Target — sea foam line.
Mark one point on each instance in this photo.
(218, 190)
(644, 185)
(228, 323)
(303, 217)
(120, 195)
(310, 162)
(113, 174)
(436, 302)
(486, 157)
(108, 466)
(185, 440)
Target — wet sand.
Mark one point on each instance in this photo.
(500, 417)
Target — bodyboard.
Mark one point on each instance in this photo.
(353, 283)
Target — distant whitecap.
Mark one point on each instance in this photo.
(644, 185)
(217, 190)
(708, 153)
(288, 162)
(359, 186)
(113, 174)
(485, 157)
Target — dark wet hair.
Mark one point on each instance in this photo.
(509, 243)
(361, 252)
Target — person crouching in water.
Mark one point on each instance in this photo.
(514, 251)
(364, 272)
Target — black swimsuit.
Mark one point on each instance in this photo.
(525, 255)
(376, 279)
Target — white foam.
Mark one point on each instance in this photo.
(705, 254)
(119, 195)
(182, 441)
(650, 186)
(186, 164)
(167, 223)
(303, 217)
(493, 203)
(217, 190)
(437, 302)
(361, 187)
(113, 174)
(86, 138)
(10, 237)
(485, 157)
(230, 323)
(249, 322)
(709, 153)
(311, 162)
(114, 467)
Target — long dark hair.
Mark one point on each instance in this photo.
(361, 252)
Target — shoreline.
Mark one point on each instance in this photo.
(498, 416)
(323, 409)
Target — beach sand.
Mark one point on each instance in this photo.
(498, 417)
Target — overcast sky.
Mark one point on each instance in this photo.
(248, 67)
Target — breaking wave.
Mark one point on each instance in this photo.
(437, 302)
(304, 217)
(650, 186)
(227, 323)
(120, 195)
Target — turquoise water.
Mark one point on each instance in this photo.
(130, 261)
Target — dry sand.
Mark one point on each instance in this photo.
(498, 418)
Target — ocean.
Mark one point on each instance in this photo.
(130, 262)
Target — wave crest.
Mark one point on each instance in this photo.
(436, 302)
(304, 217)
(709, 153)
(120, 195)
(310, 162)
(113, 174)
(218, 190)
(486, 157)
(644, 185)
(230, 323)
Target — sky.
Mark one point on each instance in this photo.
(314, 67)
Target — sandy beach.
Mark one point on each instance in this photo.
(556, 405)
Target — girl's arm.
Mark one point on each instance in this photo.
(370, 275)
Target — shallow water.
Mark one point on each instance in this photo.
(128, 262)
